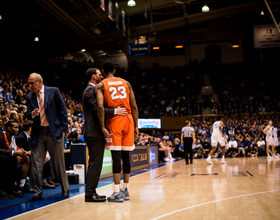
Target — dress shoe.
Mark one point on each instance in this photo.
(35, 198)
(15, 191)
(4, 195)
(53, 183)
(101, 196)
(48, 186)
(65, 194)
(95, 198)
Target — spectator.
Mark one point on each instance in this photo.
(252, 152)
(176, 144)
(20, 99)
(233, 152)
(165, 136)
(261, 146)
(240, 146)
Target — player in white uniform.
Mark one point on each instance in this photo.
(270, 139)
(217, 137)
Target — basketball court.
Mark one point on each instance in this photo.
(244, 188)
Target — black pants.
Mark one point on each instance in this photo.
(8, 170)
(188, 149)
(96, 148)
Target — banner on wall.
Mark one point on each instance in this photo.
(117, 15)
(102, 5)
(266, 36)
(149, 123)
(123, 22)
(110, 10)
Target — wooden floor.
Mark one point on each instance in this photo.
(244, 188)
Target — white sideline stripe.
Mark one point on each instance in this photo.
(75, 196)
(194, 206)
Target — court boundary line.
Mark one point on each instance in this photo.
(82, 194)
(205, 203)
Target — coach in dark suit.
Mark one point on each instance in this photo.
(46, 106)
(93, 135)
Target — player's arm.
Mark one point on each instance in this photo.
(134, 108)
(211, 129)
(264, 131)
(221, 128)
(193, 137)
(99, 91)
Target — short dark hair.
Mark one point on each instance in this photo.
(219, 118)
(108, 66)
(13, 114)
(89, 73)
(10, 124)
(4, 111)
(27, 124)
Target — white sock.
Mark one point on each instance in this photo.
(223, 157)
(117, 188)
(125, 185)
(209, 157)
(22, 183)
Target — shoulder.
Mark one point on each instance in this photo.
(99, 85)
(51, 89)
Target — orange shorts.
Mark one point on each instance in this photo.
(122, 129)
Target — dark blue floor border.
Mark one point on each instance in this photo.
(30, 206)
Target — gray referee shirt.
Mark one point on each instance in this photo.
(187, 131)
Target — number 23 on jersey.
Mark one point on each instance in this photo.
(114, 90)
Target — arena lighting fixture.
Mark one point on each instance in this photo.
(179, 46)
(235, 46)
(0, 17)
(36, 39)
(131, 3)
(83, 50)
(155, 48)
(262, 13)
(205, 8)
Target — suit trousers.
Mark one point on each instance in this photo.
(8, 170)
(188, 148)
(46, 142)
(96, 147)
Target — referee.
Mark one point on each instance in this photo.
(188, 139)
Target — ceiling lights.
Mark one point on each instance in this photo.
(0, 17)
(36, 39)
(262, 13)
(131, 3)
(83, 50)
(205, 8)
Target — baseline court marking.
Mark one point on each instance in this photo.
(84, 193)
(194, 206)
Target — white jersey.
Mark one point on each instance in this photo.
(270, 136)
(216, 128)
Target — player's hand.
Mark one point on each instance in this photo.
(136, 132)
(106, 132)
(193, 143)
(19, 152)
(269, 134)
(35, 112)
(121, 111)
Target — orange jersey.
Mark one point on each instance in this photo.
(116, 93)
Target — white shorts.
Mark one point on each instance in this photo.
(270, 141)
(276, 142)
(215, 139)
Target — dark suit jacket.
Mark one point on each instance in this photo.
(92, 126)
(4, 149)
(22, 141)
(55, 112)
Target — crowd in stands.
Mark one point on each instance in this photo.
(245, 89)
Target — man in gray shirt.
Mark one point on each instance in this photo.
(188, 139)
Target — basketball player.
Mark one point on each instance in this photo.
(270, 131)
(112, 92)
(217, 137)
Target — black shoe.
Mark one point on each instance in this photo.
(25, 189)
(95, 198)
(4, 195)
(48, 186)
(191, 162)
(35, 198)
(65, 194)
(101, 196)
(15, 191)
